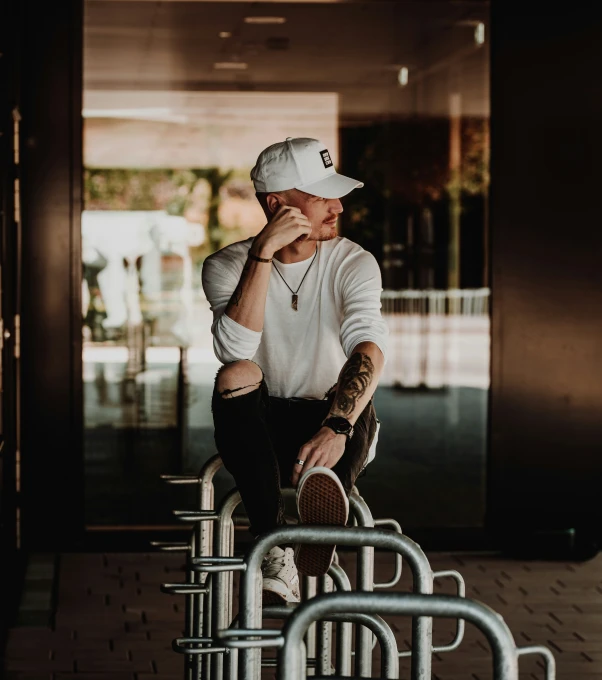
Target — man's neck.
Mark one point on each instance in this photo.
(296, 252)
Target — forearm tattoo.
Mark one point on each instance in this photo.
(355, 379)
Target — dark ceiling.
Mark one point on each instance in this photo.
(352, 48)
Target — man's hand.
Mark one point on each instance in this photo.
(323, 449)
(286, 225)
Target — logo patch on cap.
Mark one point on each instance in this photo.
(326, 159)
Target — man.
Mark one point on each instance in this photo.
(297, 325)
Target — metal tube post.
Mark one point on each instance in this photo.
(324, 647)
(222, 580)
(505, 656)
(344, 629)
(250, 596)
(310, 590)
(202, 547)
(206, 501)
(365, 583)
(376, 624)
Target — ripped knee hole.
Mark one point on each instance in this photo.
(229, 393)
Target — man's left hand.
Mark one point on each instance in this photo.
(324, 449)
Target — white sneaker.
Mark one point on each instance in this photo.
(321, 499)
(280, 577)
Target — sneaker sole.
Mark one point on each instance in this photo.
(320, 502)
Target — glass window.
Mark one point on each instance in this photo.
(179, 100)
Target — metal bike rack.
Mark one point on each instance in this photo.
(289, 641)
(344, 628)
(250, 595)
(200, 544)
(395, 526)
(221, 613)
(376, 624)
(208, 590)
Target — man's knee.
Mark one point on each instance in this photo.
(238, 378)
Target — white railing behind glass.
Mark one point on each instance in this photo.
(438, 338)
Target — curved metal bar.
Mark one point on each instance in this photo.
(364, 582)
(210, 561)
(324, 636)
(250, 594)
(193, 608)
(221, 608)
(202, 542)
(224, 546)
(461, 592)
(344, 630)
(195, 515)
(206, 502)
(291, 657)
(179, 645)
(339, 577)
(235, 633)
(171, 546)
(180, 479)
(549, 660)
(204, 672)
(267, 637)
(219, 568)
(375, 623)
(460, 628)
(184, 589)
(394, 524)
(309, 590)
(362, 516)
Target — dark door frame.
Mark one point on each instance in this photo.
(52, 480)
(545, 462)
(10, 564)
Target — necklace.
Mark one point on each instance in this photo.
(295, 292)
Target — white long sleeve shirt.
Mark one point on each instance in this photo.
(300, 352)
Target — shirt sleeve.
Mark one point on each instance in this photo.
(360, 289)
(231, 341)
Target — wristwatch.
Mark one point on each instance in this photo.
(339, 425)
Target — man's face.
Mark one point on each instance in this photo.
(321, 212)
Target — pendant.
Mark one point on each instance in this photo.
(294, 304)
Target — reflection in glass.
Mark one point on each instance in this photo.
(170, 138)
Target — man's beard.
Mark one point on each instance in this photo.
(326, 233)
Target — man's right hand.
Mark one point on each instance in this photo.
(286, 225)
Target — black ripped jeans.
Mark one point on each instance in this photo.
(259, 436)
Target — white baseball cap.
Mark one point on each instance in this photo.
(300, 163)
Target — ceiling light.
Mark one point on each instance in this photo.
(225, 34)
(403, 76)
(230, 66)
(265, 20)
(479, 33)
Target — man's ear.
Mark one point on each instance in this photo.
(274, 202)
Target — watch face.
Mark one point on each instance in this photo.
(339, 425)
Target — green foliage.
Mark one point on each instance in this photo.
(124, 189)
(174, 191)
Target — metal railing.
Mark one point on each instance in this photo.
(463, 301)
(217, 646)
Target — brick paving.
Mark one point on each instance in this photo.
(112, 623)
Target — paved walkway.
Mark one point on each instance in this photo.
(112, 623)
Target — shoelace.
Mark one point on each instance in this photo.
(273, 565)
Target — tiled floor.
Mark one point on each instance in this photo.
(112, 623)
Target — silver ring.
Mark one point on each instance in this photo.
(300, 462)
